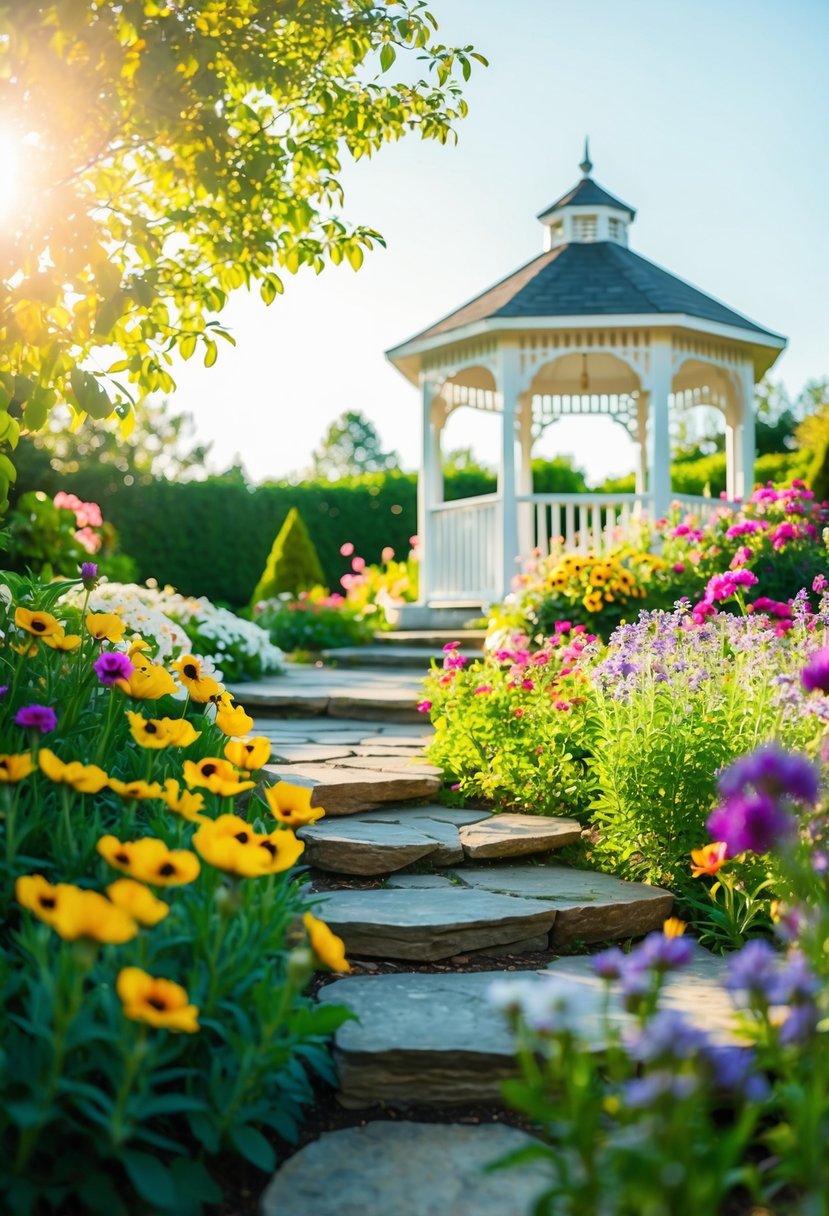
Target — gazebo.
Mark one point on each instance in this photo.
(587, 327)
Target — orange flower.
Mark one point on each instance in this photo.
(674, 927)
(708, 859)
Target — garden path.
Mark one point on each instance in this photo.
(434, 903)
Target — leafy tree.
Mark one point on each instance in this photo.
(293, 564)
(350, 447)
(172, 151)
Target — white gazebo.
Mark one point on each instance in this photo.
(587, 327)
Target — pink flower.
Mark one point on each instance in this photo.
(527, 685)
(347, 549)
(562, 705)
(88, 540)
(423, 707)
(678, 567)
(387, 555)
(452, 646)
(358, 564)
(723, 586)
(519, 712)
(740, 558)
(483, 688)
(414, 541)
(565, 626)
(820, 583)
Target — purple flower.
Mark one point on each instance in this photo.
(644, 1092)
(733, 1068)
(750, 823)
(815, 675)
(4, 688)
(423, 707)
(667, 1036)
(661, 953)
(37, 717)
(799, 1024)
(752, 971)
(770, 770)
(609, 964)
(111, 666)
(89, 574)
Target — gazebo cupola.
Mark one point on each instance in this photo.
(586, 213)
(588, 326)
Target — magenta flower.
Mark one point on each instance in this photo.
(111, 666)
(820, 583)
(423, 707)
(723, 586)
(771, 771)
(754, 823)
(89, 574)
(37, 717)
(815, 675)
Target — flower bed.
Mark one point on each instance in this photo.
(157, 934)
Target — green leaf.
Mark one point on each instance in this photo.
(387, 57)
(355, 256)
(253, 1146)
(211, 353)
(89, 395)
(193, 1179)
(152, 1180)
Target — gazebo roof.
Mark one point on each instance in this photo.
(590, 278)
(587, 194)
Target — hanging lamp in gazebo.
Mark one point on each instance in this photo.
(587, 327)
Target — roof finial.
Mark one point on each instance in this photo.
(586, 165)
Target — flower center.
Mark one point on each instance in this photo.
(268, 846)
(191, 671)
(155, 1002)
(47, 901)
(242, 837)
(122, 858)
(167, 869)
(150, 728)
(39, 626)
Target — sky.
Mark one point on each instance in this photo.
(709, 117)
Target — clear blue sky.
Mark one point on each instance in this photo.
(708, 116)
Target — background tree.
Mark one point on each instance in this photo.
(171, 152)
(351, 446)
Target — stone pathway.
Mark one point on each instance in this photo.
(408, 883)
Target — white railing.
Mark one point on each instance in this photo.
(577, 522)
(703, 506)
(465, 549)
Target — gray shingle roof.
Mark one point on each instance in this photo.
(598, 278)
(587, 194)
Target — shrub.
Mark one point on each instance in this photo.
(316, 621)
(293, 564)
(148, 1030)
(53, 536)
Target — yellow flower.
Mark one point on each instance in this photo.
(135, 791)
(41, 624)
(291, 804)
(329, 949)
(708, 859)
(147, 682)
(63, 641)
(158, 1002)
(137, 901)
(161, 732)
(231, 719)
(200, 687)
(105, 626)
(184, 803)
(75, 913)
(15, 767)
(24, 648)
(85, 778)
(593, 601)
(230, 844)
(249, 754)
(149, 860)
(217, 775)
(674, 927)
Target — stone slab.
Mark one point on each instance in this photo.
(400, 737)
(391, 764)
(514, 835)
(435, 1038)
(591, 907)
(407, 1169)
(422, 882)
(360, 845)
(442, 814)
(309, 753)
(399, 924)
(346, 791)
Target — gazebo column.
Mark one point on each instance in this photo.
(659, 456)
(642, 407)
(524, 480)
(746, 437)
(430, 486)
(732, 427)
(508, 391)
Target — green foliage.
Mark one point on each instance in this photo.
(312, 624)
(292, 565)
(100, 1112)
(350, 447)
(47, 539)
(706, 474)
(171, 154)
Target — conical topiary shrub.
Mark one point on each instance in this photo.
(818, 478)
(293, 564)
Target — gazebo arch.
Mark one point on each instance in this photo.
(588, 327)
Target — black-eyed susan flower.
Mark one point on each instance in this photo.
(231, 844)
(217, 775)
(137, 901)
(135, 791)
(158, 1002)
(39, 624)
(147, 682)
(200, 686)
(85, 778)
(232, 719)
(105, 626)
(159, 733)
(291, 804)
(15, 767)
(149, 860)
(183, 802)
(329, 949)
(62, 641)
(75, 913)
(249, 754)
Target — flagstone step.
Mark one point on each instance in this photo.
(418, 658)
(389, 694)
(435, 923)
(346, 791)
(382, 842)
(435, 1039)
(390, 763)
(590, 907)
(432, 639)
(408, 1169)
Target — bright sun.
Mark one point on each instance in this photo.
(12, 159)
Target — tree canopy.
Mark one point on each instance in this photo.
(170, 151)
(351, 446)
